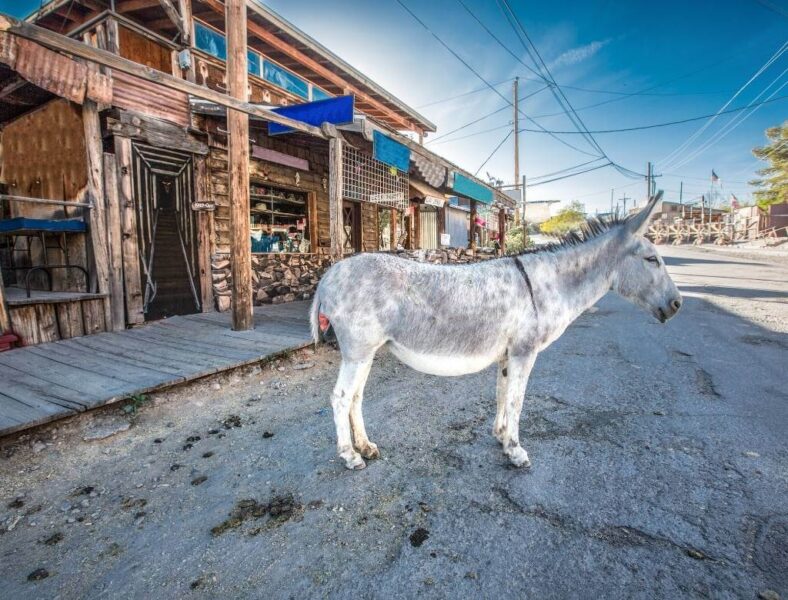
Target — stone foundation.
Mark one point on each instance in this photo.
(280, 278)
(276, 278)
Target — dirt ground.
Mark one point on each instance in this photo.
(659, 470)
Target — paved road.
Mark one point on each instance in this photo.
(659, 470)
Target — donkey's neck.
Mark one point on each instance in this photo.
(583, 274)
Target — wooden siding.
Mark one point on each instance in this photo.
(369, 227)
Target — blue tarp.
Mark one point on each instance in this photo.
(25, 225)
(469, 188)
(338, 111)
(390, 152)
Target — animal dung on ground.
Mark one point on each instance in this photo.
(418, 537)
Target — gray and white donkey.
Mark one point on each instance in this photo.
(452, 320)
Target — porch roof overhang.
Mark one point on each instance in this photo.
(424, 191)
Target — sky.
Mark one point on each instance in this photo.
(643, 63)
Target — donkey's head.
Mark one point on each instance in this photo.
(640, 275)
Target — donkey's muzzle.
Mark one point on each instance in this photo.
(663, 314)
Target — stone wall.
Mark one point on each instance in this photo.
(276, 278)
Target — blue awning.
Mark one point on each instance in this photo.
(390, 152)
(338, 111)
(467, 187)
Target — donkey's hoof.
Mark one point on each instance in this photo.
(518, 457)
(355, 462)
(370, 451)
(498, 433)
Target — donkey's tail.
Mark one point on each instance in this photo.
(314, 316)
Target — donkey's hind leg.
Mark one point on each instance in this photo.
(499, 427)
(350, 375)
(363, 445)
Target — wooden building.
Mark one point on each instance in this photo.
(132, 190)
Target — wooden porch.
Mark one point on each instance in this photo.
(50, 381)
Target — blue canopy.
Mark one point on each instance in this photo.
(338, 111)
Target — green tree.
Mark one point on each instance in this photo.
(773, 182)
(568, 219)
(517, 239)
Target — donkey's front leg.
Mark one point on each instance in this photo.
(351, 374)
(518, 370)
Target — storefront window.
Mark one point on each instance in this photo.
(279, 221)
(318, 94)
(285, 79)
(210, 41)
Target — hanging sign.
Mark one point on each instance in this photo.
(390, 152)
(433, 201)
(338, 111)
(471, 189)
(205, 206)
(445, 239)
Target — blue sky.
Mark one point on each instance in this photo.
(694, 56)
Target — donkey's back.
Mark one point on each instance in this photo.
(439, 319)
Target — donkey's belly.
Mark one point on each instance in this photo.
(436, 364)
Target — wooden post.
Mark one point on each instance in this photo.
(472, 231)
(98, 221)
(5, 318)
(416, 226)
(393, 229)
(502, 230)
(185, 7)
(204, 227)
(115, 245)
(335, 195)
(128, 223)
(238, 165)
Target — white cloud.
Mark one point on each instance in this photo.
(579, 54)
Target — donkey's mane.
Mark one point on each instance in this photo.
(590, 229)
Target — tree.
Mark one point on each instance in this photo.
(517, 239)
(773, 183)
(568, 219)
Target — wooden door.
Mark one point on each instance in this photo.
(351, 226)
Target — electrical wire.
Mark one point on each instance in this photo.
(564, 170)
(498, 147)
(607, 164)
(468, 124)
(479, 76)
(667, 161)
(666, 124)
(463, 94)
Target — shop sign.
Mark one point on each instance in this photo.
(205, 206)
(433, 201)
(386, 198)
(445, 239)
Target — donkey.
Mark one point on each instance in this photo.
(458, 319)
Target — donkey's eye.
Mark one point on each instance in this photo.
(653, 260)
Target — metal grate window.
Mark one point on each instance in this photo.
(368, 180)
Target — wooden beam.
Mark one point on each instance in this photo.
(5, 318)
(502, 230)
(127, 6)
(174, 16)
(472, 231)
(335, 196)
(115, 245)
(94, 146)
(238, 165)
(76, 48)
(280, 45)
(202, 194)
(128, 222)
(393, 229)
(185, 9)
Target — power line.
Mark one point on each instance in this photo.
(607, 164)
(556, 89)
(477, 74)
(498, 147)
(666, 124)
(564, 170)
(468, 124)
(463, 94)
(470, 135)
(667, 161)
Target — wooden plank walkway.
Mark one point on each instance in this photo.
(55, 380)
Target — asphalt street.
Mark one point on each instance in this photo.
(660, 470)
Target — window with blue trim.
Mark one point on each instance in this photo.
(210, 41)
(318, 94)
(254, 62)
(285, 79)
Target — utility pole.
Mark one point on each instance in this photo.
(516, 105)
(648, 181)
(624, 200)
(681, 193)
(611, 201)
(524, 198)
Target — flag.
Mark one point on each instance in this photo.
(714, 178)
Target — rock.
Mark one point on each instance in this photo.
(200, 479)
(216, 386)
(303, 365)
(65, 506)
(750, 454)
(769, 595)
(39, 447)
(104, 430)
(38, 575)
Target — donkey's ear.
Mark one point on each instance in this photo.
(638, 223)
